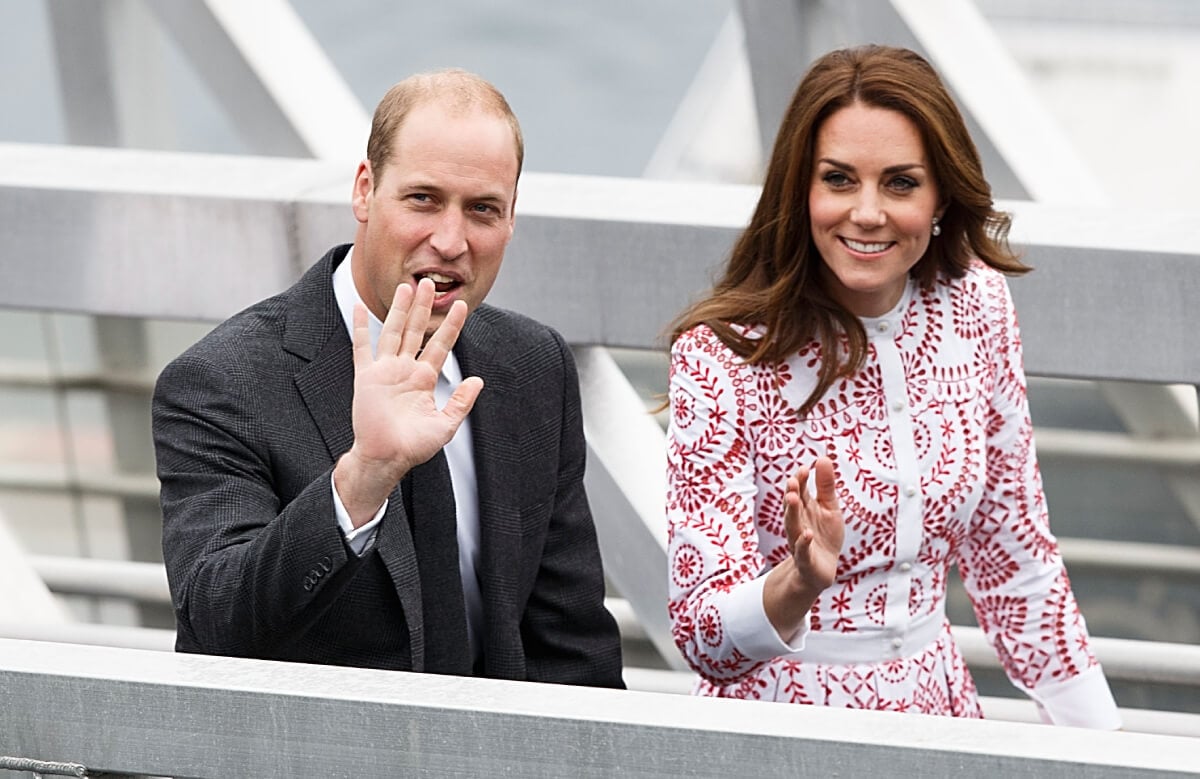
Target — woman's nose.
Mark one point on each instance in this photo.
(867, 212)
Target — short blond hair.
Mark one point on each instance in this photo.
(458, 89)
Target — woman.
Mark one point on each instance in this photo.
(862, 335)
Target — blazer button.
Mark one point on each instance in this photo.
(308, 584)
(327, 563)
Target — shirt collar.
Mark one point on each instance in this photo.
(347, 296)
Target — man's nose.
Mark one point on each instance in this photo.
(450, 236)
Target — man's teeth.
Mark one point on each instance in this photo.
(438, 278)
(866, 248)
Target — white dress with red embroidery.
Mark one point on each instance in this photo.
(933, 451)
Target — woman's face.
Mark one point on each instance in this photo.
(872, 201)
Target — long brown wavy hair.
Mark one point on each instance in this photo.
(773, 281)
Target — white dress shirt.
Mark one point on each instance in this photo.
(458, 455)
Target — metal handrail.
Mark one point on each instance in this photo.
(1123, 659)
(221, 716)
(147, 582)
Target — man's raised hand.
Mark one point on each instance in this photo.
(397, 424)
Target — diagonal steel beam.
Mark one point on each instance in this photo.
(270, 74)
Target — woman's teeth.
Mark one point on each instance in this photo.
(866, 248)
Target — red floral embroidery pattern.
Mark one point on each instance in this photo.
(735, 437)
(688, 566)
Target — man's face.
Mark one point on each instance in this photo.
(441, 208)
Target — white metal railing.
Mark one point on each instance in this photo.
(1124, 660)
(192, 715)
(1150, 661)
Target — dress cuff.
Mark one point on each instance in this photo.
(1083, 701)
(750, 630)
(362, 538)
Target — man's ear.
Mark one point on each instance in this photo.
(512, 214)
(364, 191)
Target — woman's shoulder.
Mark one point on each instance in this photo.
(979, 280)
(981, 295)
(702, 338)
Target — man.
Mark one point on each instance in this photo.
(309, 514)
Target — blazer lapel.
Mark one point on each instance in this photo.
(317, 333)
(480, 353)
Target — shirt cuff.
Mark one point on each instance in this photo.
(750, 630)
(1083, 701)
(360, 539)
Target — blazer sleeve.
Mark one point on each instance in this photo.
(568, 635)
(247, 568)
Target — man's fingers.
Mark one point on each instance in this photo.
(418, 318)
(360, 338)
(444, 338)
(463, 399)
(392, 335)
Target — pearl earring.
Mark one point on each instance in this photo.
(937, 228)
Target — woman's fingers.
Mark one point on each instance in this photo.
(826, 483)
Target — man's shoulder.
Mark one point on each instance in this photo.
(508, 326)
(247, 332)
(257, 333)
(513, 350)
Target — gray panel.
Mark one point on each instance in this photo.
(1107, 314)
(186, 715)
(608, 261)
(617, 283)
(155, 255)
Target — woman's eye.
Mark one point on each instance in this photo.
(836, 178)
(904, 183)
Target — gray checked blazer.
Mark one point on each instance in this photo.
(247, 426)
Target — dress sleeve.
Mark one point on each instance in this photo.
(715, 587)
(1011, 565)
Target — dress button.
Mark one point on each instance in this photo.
(905, 567)
(897, 643)
(882, 327)
(910, 491)
(899, 405)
